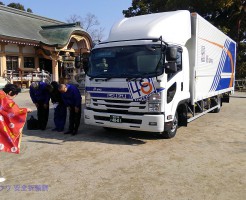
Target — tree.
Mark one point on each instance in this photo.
(1, 3)
(227, 15)
(19, 7)
(220, 12)
(74, 18)
(90, 24)
(29, 10)
(97, 34)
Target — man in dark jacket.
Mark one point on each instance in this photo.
(72, 99)
(60, 110)
(40, 97)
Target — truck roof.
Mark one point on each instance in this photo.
(173, 26)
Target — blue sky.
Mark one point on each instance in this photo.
(107, 11)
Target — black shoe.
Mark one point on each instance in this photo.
(54, 129)
(74, 133)
(68, 132)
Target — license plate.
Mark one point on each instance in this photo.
(115, 118)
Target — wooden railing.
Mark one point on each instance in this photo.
(24, 78)
(240, 85)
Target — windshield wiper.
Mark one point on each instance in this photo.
(101, 77)
(131, 77)
(134, 79)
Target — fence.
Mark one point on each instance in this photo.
(240, 85)
(24, 78)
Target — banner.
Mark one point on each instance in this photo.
(12, 121)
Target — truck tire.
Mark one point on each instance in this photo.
(214, 103)
(172, 132)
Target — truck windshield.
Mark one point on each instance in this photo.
(126, 62)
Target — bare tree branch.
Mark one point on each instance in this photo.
(90, 24)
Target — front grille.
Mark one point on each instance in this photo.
(117, 101)
(119, 106)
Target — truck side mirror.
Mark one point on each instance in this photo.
(171, 53)
(170, 67)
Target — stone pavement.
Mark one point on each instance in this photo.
(239, 94)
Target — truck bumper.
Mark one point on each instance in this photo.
(149, 123)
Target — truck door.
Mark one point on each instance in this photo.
(177, 82)
(175, 77)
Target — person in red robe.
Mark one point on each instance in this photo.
(12, 119)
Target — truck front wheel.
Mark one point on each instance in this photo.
(171, 131)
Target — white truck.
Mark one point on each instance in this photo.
(159, 71)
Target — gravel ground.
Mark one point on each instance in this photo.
(206, 160)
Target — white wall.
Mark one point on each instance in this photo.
(29, 49)
(11, 48)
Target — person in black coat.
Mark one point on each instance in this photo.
(72, 99)
(60, 110)
(40, 97)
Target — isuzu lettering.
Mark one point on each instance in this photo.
(159, 71)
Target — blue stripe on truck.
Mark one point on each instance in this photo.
(223, 83)
(226, 65)
(106, 89)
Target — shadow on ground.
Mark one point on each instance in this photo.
(89, 134)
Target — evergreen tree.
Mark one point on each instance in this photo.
(19, 7)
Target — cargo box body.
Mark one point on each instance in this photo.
(212, 56)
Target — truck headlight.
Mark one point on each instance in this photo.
(87, 99)
(155, 102)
